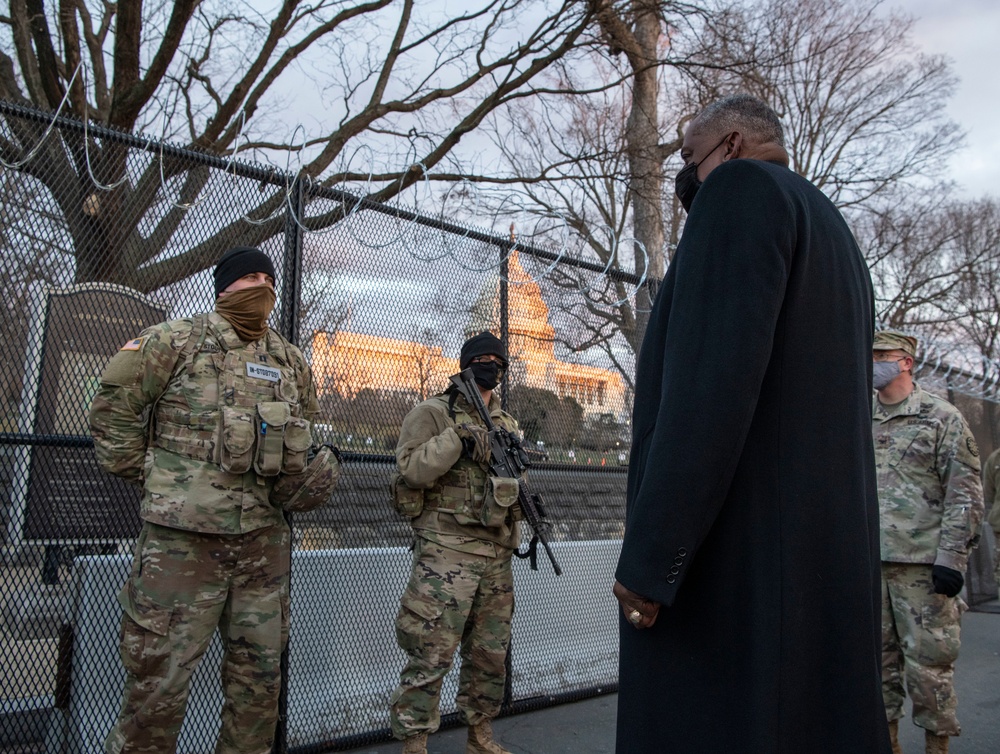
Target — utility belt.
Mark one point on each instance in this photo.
(470, 495)
(265, 437)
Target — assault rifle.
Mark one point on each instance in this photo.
(510, 461)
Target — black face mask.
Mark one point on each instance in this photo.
(686, 183)
(487, 374)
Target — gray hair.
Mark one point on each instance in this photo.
(745, 113)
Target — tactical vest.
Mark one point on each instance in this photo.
(470, 494)
(237, 408)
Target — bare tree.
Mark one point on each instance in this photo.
(862, 108)
(398, 79)
(977, 239)
(428, 364)
(863, 113)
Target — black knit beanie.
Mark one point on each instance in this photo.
(481, 345)
(240, 261)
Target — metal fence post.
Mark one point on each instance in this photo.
(291, 287)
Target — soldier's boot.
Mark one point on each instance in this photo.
(415, 744)
(894, 736)
(481, 740)
(935, 744)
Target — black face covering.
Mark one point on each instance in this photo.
(487, 374)
(686, 183)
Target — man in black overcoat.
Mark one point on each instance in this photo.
(749, 571)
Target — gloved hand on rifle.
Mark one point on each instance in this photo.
(475, 442)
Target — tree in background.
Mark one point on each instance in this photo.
(543, 415)
(863, 111)
(397, 83)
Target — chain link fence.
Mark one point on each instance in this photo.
(103, 234)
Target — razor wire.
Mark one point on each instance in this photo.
(351, 203)
(976, 375)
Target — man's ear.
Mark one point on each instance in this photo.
(733, 146)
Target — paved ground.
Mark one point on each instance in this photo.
(588, 727)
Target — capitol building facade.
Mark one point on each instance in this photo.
(348, 362)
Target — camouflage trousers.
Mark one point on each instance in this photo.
(183, 586)
(453, 598)
(996, 559)
(920, 642)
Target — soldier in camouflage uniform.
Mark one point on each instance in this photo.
(207, 414)
(461, 589)
(931, 505)
(991, 491)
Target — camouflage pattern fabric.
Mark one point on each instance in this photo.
(206, 423)
(299, 493)
(930, 506)
(991, 487)
(930, 493)
(453, 599)
(201, 386)
(460, 511)
(182, 586)
(920, 643)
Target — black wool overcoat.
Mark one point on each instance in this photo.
(752, 513)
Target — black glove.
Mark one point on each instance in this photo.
(475, 442)
(947, 581)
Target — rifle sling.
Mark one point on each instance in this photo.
(531, 552)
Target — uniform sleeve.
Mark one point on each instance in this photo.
(428, 447)
(990, 488)
(958, 468)
(308, 400)
(119, 416)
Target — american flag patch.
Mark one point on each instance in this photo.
(132, 345)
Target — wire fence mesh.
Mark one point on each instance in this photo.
(103, 233)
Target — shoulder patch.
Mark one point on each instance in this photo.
(970, 443)
(133, 345)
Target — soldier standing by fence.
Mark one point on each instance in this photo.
(931, 506)
(211, 415)
(461, 588)
(991, 490)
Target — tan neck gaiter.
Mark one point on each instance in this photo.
(247, 310)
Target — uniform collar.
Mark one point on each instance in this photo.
(228, 338)
(910, 406)
(493, 406)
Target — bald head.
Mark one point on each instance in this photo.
(744, 113)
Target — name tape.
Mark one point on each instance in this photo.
(262, 372)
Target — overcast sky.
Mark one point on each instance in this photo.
(968, 32)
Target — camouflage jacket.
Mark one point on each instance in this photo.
(429, 457)
(930, 494)
(991, 486)
(204, 422)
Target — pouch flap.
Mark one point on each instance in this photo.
(237, 429)
(275, 413)
(140, 608)
(298, 436)
(504, 491)
(424, 605)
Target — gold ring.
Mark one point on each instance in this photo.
(634, 617)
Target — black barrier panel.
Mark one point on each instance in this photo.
(68, 498)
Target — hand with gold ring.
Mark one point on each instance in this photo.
(639, 611)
